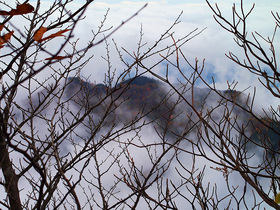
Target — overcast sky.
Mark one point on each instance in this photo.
(212, 44)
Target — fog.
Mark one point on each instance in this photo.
(140, 147)
(126, 143)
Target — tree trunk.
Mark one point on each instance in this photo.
(11, 179)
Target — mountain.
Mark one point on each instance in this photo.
(135, 97)
(143, 95)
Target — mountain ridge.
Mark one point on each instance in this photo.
(149, 96)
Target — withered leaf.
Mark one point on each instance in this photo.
(4, 39)
(39, 34)
(59, 33)
(21, 9)
(58, 57)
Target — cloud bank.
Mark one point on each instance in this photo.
(212, 44)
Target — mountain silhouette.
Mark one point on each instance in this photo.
(149, 97)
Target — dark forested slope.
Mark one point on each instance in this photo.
(149, 97)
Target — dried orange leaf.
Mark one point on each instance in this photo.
(21, 9)
(59, 33)
(58, 57)
(25, 8)
(39, 34)
(2, 12)
(1, 27)
(5, 38)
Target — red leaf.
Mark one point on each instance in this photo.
(59, 33)
(58, 57)
(41, 31)
(5, 38)
(21, 9)
(39, 34)
(4, 12)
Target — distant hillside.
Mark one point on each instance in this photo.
(137, 95)
(148, 96)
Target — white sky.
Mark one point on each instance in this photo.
(212, 44)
